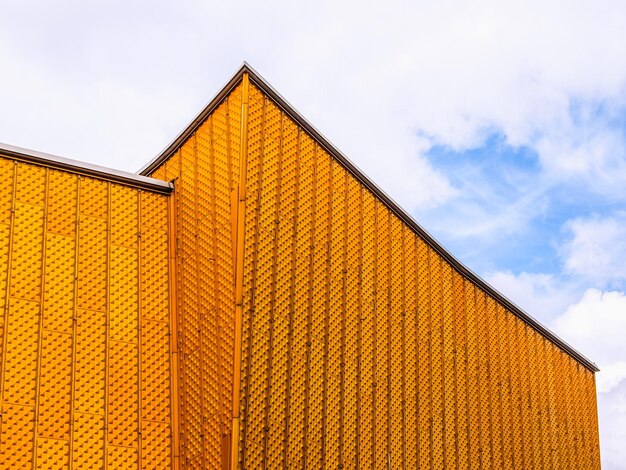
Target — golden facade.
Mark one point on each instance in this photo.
(258, 302)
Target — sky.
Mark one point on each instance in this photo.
(500, 126)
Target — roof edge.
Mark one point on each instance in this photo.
(195, 123)
(83, 168)
(291, 111)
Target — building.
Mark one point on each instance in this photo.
(252, 300)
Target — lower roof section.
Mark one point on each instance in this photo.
(86, 169)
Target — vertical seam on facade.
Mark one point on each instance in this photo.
(292, 296)
(504, 327)
(253, 275)
(40, 321)
(467, 390)
(416, 314)
(199, 310)
(107, 328)
(74, 326)
(139, 239)
(344, 306)
(388, 312)
(273, 276)
(455, 367)
(239, 264)
(327, 316)
(309, 319)
(527, 372)
(489, 368)
(403, 348)
(359, 334)
(217, 310)
(431, 424)
(442, 354)
(180, 296)
(501, 379)
(375, 334)
(173, 331)
(5, 329)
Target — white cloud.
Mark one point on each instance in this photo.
(372, 76)
(596, 325)
(597, 248)
(543, 296)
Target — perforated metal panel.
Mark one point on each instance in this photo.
(85, 327)
(354, 344)
(206, 171)
(362, 347)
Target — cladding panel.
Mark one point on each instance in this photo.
(205, 170)
(70, 336)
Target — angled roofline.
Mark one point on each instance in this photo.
(82, 168)
(291, 111)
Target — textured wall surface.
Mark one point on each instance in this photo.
(206, 172)
(84, 334)
(363, 348)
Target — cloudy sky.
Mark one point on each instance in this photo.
(501, 126)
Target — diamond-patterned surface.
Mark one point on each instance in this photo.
(70, 336)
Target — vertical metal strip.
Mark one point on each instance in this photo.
(253, 274)
(517, 428)
(417, 358)
(489, 313)
(479, 379)
(7, 292)
(309, 319)
(139, 337)
(529, 379)
(239, 264)
(388, 307)
(456, 348)
(342, 334)
(74, 327)
(173, 332)
(375, 336)
(431, 397)
(439, 384)
(504, 380)
(41, 310)
(272, 315)
(292, 300)
(107, 328)
(327, 282)
(466, 358)
(359, 333)
(181, 318)
(201, 314)
(593, 419)
(216, 289)
(404, 344)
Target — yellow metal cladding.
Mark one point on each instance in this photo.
(84, 336)
(206, 171)
(362, 347)
(316, 329)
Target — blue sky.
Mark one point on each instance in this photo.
(501, 126)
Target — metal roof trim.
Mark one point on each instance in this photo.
(290, 110)
(83, 168)
(195, 123)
